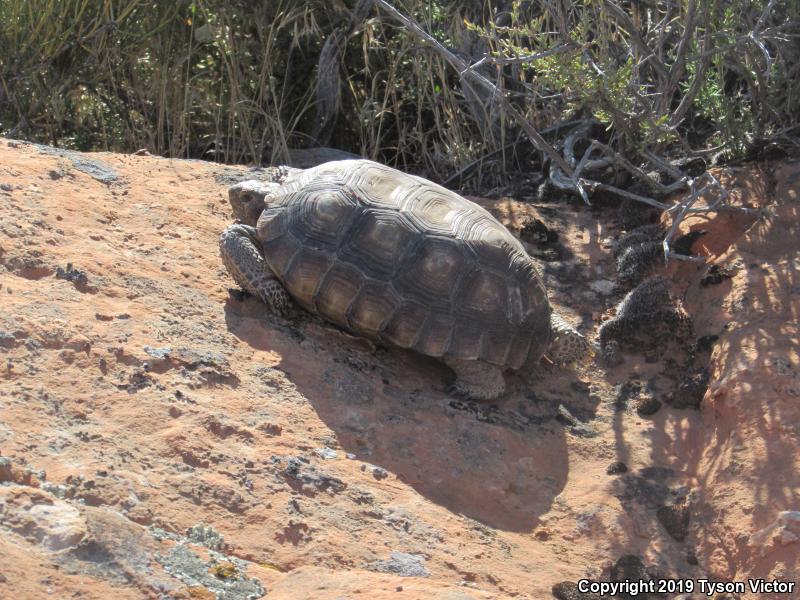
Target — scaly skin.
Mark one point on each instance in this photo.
(476, 380)
(568, 346)
(241, 253)
(648, 306)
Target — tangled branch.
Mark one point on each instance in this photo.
(660, 102)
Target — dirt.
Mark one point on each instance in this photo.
(163, 436)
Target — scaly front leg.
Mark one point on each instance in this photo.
(241, 253)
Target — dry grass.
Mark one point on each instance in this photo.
(236, 81)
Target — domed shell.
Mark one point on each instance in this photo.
(405, 262)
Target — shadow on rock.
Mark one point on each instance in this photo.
(501, 466)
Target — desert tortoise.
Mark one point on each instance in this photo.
(399, 260)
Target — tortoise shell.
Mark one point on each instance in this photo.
(405, 262)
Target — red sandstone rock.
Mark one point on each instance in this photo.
(154, 400)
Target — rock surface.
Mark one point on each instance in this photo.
(162, 437)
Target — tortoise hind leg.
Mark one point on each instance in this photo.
(476, 380)
(240, 251)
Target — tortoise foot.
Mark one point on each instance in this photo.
(476, 380)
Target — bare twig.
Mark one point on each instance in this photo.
(679, 66)
(633, 170)
(577, 183)
(697, 82)
(666, 166)
(461, 173)
(622, 17)
(473, 76)
(594, 185)
(685, 207)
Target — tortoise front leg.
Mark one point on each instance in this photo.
(568, 345)
(241, 253)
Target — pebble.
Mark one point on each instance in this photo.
(647, 405)
(603, 286)
(326, 453)
(616, 468)
(402, 564)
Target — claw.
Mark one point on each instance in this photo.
(462, 395)
(457, 392)
(452, 390)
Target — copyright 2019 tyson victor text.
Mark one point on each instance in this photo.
(685, 586)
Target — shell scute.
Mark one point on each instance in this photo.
(321, 216)
(432, 271)
(378, 242)
(406, 325)
(406, 262)
(305, 273)
(372, 309)
(337, 291)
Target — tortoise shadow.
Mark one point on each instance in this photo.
(500, 464)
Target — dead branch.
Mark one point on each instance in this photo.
(685, 207)
(469, 75)
(625, 21)
(582, 176)
(679, 66)
(463, 172)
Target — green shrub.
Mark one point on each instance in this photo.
(234, 81)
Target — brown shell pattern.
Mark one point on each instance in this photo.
(405, 262)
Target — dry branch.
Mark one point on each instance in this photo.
(469, 75)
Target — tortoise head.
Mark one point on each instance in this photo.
(249, 198)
